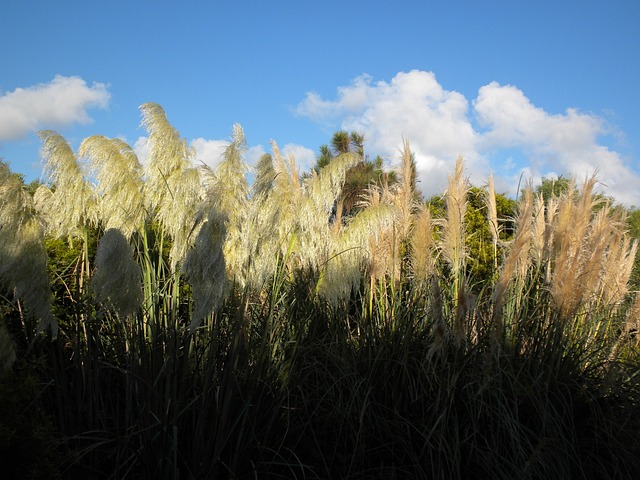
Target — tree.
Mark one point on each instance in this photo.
(554, 187)
(359, 177)
(480, 264)
(341, 142)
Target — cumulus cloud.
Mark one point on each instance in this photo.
(414, 106)
(61, 102)
(514, 138)
(208, 152)
(568, 142)
(352, 98)
(141, 147)
(305, 157)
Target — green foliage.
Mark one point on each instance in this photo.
(359, 177)
(480, 262)
(633, 223)
(554, 187)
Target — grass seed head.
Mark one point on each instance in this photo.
(23, 260)
(205, 268)
(117, 280)
(73, 204)
(115, 166)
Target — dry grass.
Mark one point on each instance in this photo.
(452, 246)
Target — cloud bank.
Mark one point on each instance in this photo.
(500, 122)
(61, 102)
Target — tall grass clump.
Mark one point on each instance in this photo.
(229, 330)
(23, 272)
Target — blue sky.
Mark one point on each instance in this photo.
(522, 89)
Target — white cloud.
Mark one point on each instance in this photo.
(562, 142)
(141, 147)
(439, 125)
(305, 157)
(412, 106)
(208, 151)
(352, 98)
(253, 155)
(63, 101)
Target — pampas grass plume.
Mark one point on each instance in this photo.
(119, 176)
(422, 246)
(23, 260)
(205, 268)
(117, 280)
(72, 206)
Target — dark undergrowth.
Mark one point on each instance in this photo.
(298, 390)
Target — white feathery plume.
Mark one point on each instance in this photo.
(23, 260)
(405, 195)
(72, 205)
(351, 253)
(205, 268)
(178, 216)
(117, 280)
(312, 219)
(422, 246)
(539, 250)
(571, 228)
(453, 242)
(119, 176)
(265, 176)
(516, 261)
(262, 217)
(492, 216)
(173, 188)
(229, 198)
(283, 201)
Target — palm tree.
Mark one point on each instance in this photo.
(358, 178)
(323, 159)
(341, 142)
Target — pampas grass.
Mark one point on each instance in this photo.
(265, 176)
(73, 205)
(314, 211)
(406, 195)
(492, 217)
(514, 270)
(228, 195)
(278, 344)
(205, 268)
(172, 187)
(423, 260)
(120, 187)
(23, 259)
(117, 280)
(452, 246)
